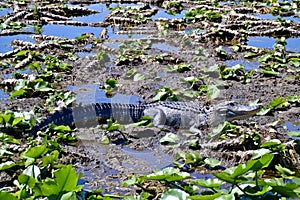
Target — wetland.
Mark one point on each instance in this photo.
(56, 54)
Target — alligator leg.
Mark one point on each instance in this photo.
(158, 118)
(195, 129)
(161, 120)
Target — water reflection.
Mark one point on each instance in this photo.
(293, 44)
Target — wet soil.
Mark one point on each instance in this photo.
(142, 54)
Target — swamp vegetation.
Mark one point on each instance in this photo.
(55, 54)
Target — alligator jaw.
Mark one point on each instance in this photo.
(234, 111)
(238, 111)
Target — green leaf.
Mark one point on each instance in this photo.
(62, 129)
(213, 91)
(43, 86)
(212, 162)
(252, 165)
(263, 162)
(211, 69)
(174, 194)
(273, 142)
(264, 111)
(182, 67)
(130, 182)
(130, 73)
(231, 72)
(269, 72)
(29, 161)
(105, 140)
(139, 77)
(115, 126)
(17, 120)
(5, 153)
(254, 191)
(7, 118)
(21, 53)
(287, 190)
(243, 168)
(145, 121)
(20, 81)
(294, 63)
(208, 183)
(264, 58)
(169, 138)
(236, 47)
(294, 134)
(168, 174)
(69, 196)
(193, 158)
(7, 165)
(205, 196)
(16, 93)
(7, 196)
(296, 180)
(160, 95)
(111, 82)
(231, 175)
(81, 37)
(284, 172)
(260, 152)
(66, 179)
(224, 128)
(277, 102)
(35, 66)
(35, 152)
(98, 191)
(27, 180)
(250, 54)
(50, 159)
(294, 99)
(46, 188)
(8, 139)
(226, 197)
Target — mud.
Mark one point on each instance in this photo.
(141, 47)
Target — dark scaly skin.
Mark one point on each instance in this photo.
(164, 114)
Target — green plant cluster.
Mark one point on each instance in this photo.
(131, 51)
(244, 181)
(272, 63)
(280, 103)
(12, 26)
(202, 14)
(39, 174)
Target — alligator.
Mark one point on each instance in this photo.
(165, 115)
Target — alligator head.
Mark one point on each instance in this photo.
(232, 110)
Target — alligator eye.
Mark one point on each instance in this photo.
(232, 104)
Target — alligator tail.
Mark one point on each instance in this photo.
(62, 117)
(91, 115)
